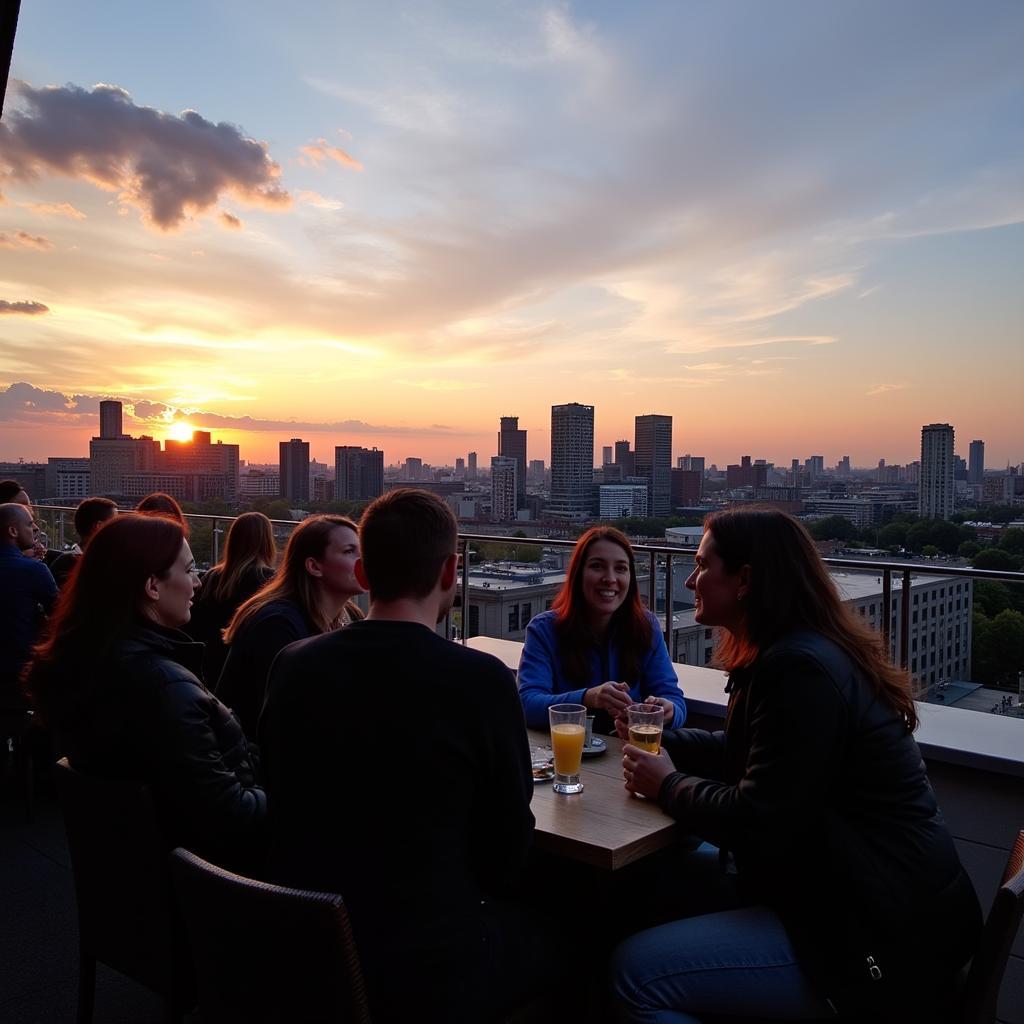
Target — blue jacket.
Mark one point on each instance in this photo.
(542, 680)
(27, 592)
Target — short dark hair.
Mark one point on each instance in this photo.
(9, 490)
(90, 513)
(405, 536)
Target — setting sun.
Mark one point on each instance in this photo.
(180, 431)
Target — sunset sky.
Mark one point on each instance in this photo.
(796, 227)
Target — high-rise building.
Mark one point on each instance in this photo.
(815, 466)
(111, 423)
(687, 487)
(460, 467)
(294, 469)
(746, 474)
(471, 466)
(512, 445)
(358, 473)
(413, 469)
(112, 458)
(504, 485)
(935, 495)
(201, 458)
(572, 461)
(625, 458)
(691, 462)
(606, 455)
(653, 446)
(622, 501)
(535, 471)
(843, 467)
(976, 463)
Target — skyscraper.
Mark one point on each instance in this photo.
(294, 468)
(512, 445)
(504, 471)
(935, 493)
(653, 444)
(358, 473)
(110, 420)
(976, 463)
(572, 461)
(471, 466)
(606, 455)
(625, 458)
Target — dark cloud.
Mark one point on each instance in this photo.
(24, 240)
(170, 166)
(229, 220)
(28, 308)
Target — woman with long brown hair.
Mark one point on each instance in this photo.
(848, 893)
(248, 562)
(117, 682)
(598, 645)
(311, 593)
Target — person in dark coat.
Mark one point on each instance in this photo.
(248, 563)
(117, 682)
(311, 593)
(848, 894)
(90, 515)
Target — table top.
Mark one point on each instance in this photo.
(604, 825)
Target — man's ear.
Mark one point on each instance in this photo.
(360, 572)
(449, 572)
(313, 567)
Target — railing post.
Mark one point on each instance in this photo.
(887, 605)
(905, 619)
(465, 589)
(60, 530)
(652, 587)
(669, 601)
(216, 542)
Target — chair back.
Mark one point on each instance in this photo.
(981, 990)
(126, 914)
(264, 952)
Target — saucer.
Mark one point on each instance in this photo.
(597, 746)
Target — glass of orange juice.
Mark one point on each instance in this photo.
(568, 729)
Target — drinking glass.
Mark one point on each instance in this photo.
(568, 729)
(646, 722)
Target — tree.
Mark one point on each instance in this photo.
(996, 558)
(893, 535)
(832, 528)
(1012, 540)
(968, 549)
(930, 551)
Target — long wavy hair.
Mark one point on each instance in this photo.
(790, 588)
(249, 545)
(101, 602)
(292, 583)
(629, 625)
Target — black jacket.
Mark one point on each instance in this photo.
(150, 718)
(821, 794)
(243, 681)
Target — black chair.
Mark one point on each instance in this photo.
(126, 913)
(981, 989)
(266, 953)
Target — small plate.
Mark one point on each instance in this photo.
(597, 746)
(543, 771)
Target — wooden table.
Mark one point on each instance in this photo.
(604, 825)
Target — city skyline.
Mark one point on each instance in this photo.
(374, 227)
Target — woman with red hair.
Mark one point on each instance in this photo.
(598, 646)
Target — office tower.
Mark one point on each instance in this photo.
(691, 462)
(746, 474)
(113, 458)
(606, 455)
(460, 467)
(653, 446)
(535, 471)
(622, 501)
(413, 469)
(815, 466)
(504, 470)
(959, 469)
(212, 468)
(843, 468)
(794, 472)
(625, 458)
(687, 487)
(572, 461)
(471, 471)
(358, 473)
(512, 445)
(976, 463)
(294, 469)
(110, 420)
(935, 494)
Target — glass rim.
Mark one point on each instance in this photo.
(645, 709)
(567, 709)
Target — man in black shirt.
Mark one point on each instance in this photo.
(398, 775)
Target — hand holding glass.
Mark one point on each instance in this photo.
(568, 730)
(646, 722)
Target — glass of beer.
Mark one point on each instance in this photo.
(645, 723)
(568, 729)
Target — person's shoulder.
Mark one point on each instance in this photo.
(805, 654)
(542, 622)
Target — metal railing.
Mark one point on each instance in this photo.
(653, 553)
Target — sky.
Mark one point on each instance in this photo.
(798, 228)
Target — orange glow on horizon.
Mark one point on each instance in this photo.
(179, 431)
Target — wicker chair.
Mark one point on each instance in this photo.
(126, 916)
(266, 953)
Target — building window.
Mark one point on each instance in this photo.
(707, 657)
(871, 609)
(474, 620)
(525, 614)
(548, 604)
(709, 634)
(915, 617)
(513, 618)
(913, 644)
(913, 665)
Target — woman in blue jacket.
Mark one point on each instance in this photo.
(598, 646)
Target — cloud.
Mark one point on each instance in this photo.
(24, 240)
(55, 210)
(229, 220)
(320, 150)
(319, 201)
(170, 166)
(27, 307)
(883, 389)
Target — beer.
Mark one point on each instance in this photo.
(567, 745)
(646, 737)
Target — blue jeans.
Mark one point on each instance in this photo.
(737, 962)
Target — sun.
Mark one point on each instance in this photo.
(180, 431)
